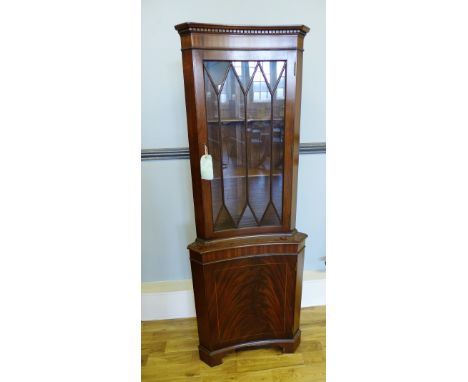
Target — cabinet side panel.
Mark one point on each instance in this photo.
(289, 148)
(198, 280)
(297, 122)
(197, 134)
(298, 290)
(290, 293)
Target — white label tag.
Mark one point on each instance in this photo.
(206, 167)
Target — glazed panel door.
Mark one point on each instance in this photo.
(246, 122)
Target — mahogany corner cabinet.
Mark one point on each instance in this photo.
(243, 103)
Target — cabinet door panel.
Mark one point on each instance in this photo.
(245, 103)
(251, 300)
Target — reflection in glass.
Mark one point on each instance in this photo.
(259, 99)
(234, 170)
(217, 72)
(245, 116)
(244, 71)
(232, 99)
(278, 143)
(213, 144)
(259, 138)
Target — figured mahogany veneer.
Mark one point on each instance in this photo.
(242, 96)
(247, 293)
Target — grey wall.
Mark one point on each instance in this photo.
(167, 208)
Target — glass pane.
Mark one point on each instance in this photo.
(217, 72)
(244, 70)
(271, 216)
(277, 166)
(280, 91)
(224, 220)
(213, 145)
(259, 144)
(278, 144)
(232, 114)
(213, 149)
(232, 99)
(258, 133)
(259, 99)
(272, 71)
(211, 100)
(246, 139)
(248, 219)
(234, 169)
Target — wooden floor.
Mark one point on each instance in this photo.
(169, 353)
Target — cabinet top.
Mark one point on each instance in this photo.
(192, 27)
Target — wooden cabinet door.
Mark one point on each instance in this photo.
(248, 127)
(251, 299)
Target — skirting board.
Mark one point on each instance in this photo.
(174, 299)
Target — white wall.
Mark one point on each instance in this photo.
(167, 207)
(163, 107)
(168, 222)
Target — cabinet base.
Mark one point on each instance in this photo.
(215, 357)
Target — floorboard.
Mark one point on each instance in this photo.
(169, 353)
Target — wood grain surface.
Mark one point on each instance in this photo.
(211, 42)
(247, 261)
(247, 293)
